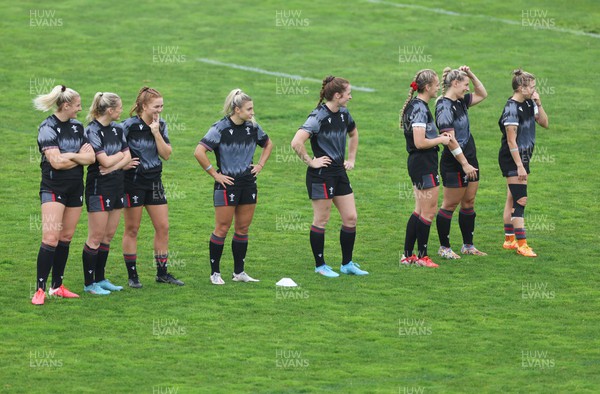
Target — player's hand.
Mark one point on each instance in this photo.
(521, 173)
(133, 163)
(536, 97)
(470, 171)
(318, 162)
(103, 170)
(445, 138)
(224, 180)
(86, 148)
(256, 169)
(465, 68)
(155, 125)
(349, 165)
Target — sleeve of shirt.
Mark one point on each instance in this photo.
(47, 138)
(164, 130)
(418, 118)
(93, 136)
(262, 136)
(124, 146)
(444, 116)
(351, 123)
(212, 139)
(510, 116)
(312, 124)
(125, 126)
(468, 99)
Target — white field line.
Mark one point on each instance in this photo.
(274, 73)
(489, 18)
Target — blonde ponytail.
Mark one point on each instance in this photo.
(59, 95)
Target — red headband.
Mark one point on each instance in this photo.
(414, 85)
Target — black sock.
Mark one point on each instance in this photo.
(60, 262)
(89, 257)
(101, 261)
(239, 246)
(44, 264)
(443, 222)
(130, 260)
(317, 244)
(215, 248)
(466, 221)
(161, 264)
(411, 234)
(347, 237)
(423, 227)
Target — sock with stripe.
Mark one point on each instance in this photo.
(443, 222)
(423, 227)
(60, 262)
(44, 264)
(466, 221)
(89, 257)
(411, 234)
(161, 261)
(215, 248)
(103, 251)
(130, 262)
(521, 237)
(509, 232)
(239, 246)
(347, 237)
(317, 244)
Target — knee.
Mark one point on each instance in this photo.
(320, 221)
(162, 229)
(522, 201)
(131, 231)
(350, 220)
(50, 239)
(221, 230)
(242, 229)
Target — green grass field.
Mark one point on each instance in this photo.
(496, 324)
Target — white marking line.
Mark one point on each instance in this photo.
(274, 73)
(490, 18)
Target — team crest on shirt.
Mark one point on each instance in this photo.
(329, 120)
(102, 133)
(58, 130)
(231, 131)
(521, 109)
(114, 130)
(141, 126)
(247, 130)
(74, 128)
(342, 116)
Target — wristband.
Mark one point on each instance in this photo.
(514, 149)
(208, 168)
(456, 151)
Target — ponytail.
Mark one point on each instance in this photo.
(331, 86)
(59, 95)
(421, 80)
(521, 78)
(144, 96)
(235, 99)
(448, 76)
(102, 102)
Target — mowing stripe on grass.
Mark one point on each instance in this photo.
(490, 18)
(274, 73)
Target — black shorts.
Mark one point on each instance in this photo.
(68, 193)
(234, 196)
(104, 202)
(322, 185)
(452, 173)
(422, 169)
(508, 166)
(144, 194)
